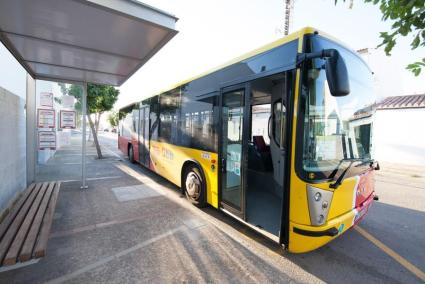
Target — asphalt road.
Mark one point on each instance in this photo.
(389, 245)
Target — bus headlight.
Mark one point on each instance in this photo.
(319, 201)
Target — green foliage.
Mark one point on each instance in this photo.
(113, 119)
(57, 100)
(416, 67)
(77, 92)
(64, 89)
(100, 98)
(407, 18)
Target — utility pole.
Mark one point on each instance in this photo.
(289, 7)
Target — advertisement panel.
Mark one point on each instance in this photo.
(46, 118)
(46, 100)
(46, 140)
(68, 119)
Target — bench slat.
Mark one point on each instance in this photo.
(41, 245)
(11, 232)
(19, 239)
(29, 243)
(15, 210)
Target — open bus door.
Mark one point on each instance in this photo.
(144, 136)
(232, 150)
(252, 153)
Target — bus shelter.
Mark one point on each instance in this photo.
(83, 41)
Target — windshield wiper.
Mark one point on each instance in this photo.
(334, 172)
(341, 176)
(339, 180)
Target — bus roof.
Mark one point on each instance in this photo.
(128, 106)
(295, 35)
(247, 55)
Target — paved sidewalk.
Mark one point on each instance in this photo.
(132, 226)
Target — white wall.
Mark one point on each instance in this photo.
(12, 146)
(12, 128)
(399, 136)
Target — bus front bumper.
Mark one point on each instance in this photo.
(305, 238)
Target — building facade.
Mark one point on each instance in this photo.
(399, 130)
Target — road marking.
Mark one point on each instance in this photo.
(405, 263)
(19, 265)
(108, 259)
(74, 231)
(93, 178)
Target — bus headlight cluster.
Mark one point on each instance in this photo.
(319, 201)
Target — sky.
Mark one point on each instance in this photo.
(213, 32)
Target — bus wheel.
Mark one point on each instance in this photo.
(131, 154)
(195, 186)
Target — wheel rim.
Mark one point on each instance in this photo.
(131, 154)
(193, 185)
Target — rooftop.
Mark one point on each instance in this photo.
(396, 102)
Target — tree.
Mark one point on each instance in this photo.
(113, 119)
(64, 89)
(408, 20)
(100, 98)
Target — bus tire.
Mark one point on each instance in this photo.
(131, 154)
(194, 186)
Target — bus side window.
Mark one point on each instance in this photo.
(198, 123)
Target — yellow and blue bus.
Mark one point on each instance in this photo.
(279, 138)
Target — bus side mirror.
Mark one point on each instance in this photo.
(336, 73)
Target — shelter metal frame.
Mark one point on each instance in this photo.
(56, 44)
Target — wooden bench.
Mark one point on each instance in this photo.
(25, 229)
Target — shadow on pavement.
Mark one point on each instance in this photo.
(352, 258)
(91, 225)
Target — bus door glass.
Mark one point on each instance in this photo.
(231, 151)
(144, 135)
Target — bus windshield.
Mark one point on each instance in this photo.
(336, 128)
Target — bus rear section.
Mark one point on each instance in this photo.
(128, 129)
